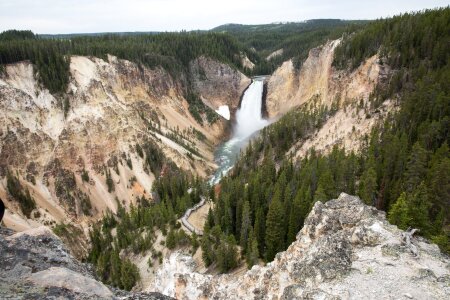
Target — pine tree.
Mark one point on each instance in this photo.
(439, 179)
(207, 250)
(260, 229)
(168, 211)
(274, 228)
(109, 180)
(210, 218)
(227, 256)
(416, 167)
(418, 209)
(320, 195)
(252, 255)
(238, 215)
(115, 273)
(129, 275)
(171, 239)
(368, 186)
(398, 214)
(326, 181)
(296, 218)
(103, 265)
(223, 212)
(246, 226)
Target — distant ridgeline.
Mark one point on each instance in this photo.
(403, 167)
(295, 38)
(171, 51)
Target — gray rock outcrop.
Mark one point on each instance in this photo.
(346, 250)
(35, 264)
(217, 83)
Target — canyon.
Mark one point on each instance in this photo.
(114, 106)
(66, 155)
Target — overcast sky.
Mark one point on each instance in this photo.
(70, 16)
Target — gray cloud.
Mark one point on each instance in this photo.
(68, 16)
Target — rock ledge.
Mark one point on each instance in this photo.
(346, 250)
(35, 264)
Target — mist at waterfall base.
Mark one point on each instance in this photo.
(249, 120)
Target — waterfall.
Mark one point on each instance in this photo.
(248, 117)
(248, 121)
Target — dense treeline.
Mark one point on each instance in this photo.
(11, 35)
(402, 168)
(405, 41)
(48, 56)
(172, 51)
(296, 39)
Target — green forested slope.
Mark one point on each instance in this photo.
(296, 39)
(403, 168)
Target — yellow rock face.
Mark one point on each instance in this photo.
(113, 106)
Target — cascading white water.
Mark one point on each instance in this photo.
(248, 117)
(248, 121)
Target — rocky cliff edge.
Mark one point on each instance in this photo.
(35, 264)
(346, 250)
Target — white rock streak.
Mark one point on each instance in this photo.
(224, 111)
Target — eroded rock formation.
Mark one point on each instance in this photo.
(218, 84)
(317, 83)
(111, 105)
(35, 264)
(346, 250)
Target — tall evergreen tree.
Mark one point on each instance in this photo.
(418, 209)
(252, 254)
(398, 214)
(296, 217)
(274, 228)
(368, 186)
(260, 229)
(416, 167)
(227, 256)
(246, 226)
(320, 195)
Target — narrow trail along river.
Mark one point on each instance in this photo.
(248, 121)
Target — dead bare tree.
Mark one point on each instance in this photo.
(406, 240)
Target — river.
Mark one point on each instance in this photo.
(249, 120)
